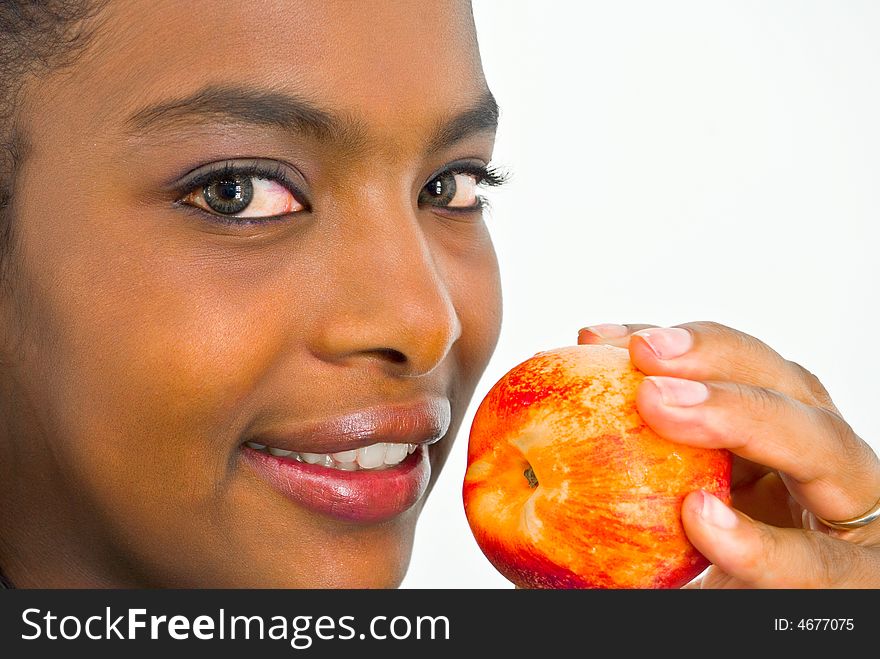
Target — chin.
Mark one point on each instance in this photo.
(313, 552)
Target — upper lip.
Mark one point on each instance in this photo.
(423, 422)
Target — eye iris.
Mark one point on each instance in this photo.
(229, 195)
(442, 189)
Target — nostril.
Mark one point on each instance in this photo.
(391, 355)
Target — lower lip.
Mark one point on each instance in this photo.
(367, 496)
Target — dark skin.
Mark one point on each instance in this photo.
(143, 339)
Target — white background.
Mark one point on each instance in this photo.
(676, 161)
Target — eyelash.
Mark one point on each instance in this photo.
(485, 176)
(230, 169)
(488, 176)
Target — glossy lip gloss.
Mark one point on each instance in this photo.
(365, 495)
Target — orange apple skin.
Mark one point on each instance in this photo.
(606, 510)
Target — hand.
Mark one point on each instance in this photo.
(795, 458)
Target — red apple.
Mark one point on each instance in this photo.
(567, 487)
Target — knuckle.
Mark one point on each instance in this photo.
(738, 355)
(768, 565)
(745, 418)
(808, 560)
(842, 436)
(827, 567)
(720, 332)
(850, 452)
(812, 386)
(761, 402)
(708, 328)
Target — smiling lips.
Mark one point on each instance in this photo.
(373, 456)
(368, 466)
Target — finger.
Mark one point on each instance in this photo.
(609, 334)
(826, 466)
(756, 555)
(711, 351)
(745, 472)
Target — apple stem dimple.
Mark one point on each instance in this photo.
(530, 477)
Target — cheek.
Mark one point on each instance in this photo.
(474, 282)
(146, 366)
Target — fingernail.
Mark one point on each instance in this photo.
(809, 521)
(678, 392)
(608, 330)
(667, 342)
(714, 512)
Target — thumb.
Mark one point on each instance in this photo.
(757, 555)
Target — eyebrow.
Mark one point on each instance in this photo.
(481, 117)
(269, 108)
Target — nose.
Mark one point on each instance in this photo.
(389, 301)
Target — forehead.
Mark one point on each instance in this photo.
(389, 62)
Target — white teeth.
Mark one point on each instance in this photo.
(345, 456)
(370, 457)
(394, 454)
(374, 456)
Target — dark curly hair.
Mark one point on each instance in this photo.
(36, 36)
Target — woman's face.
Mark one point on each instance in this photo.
(156, 322)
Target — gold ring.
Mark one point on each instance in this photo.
(854, 522)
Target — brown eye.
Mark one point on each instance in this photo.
(451, 190)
